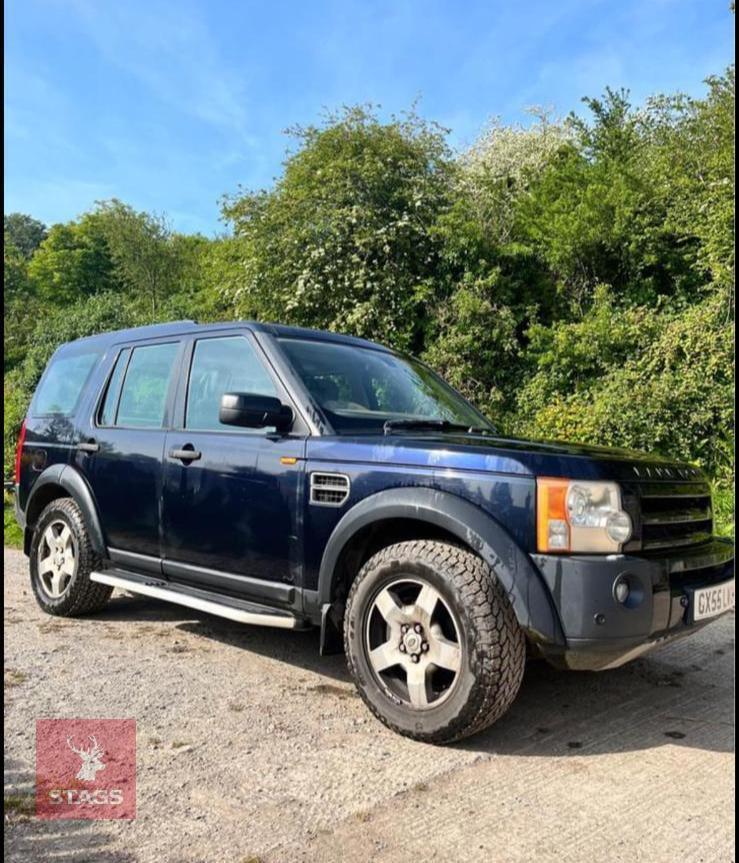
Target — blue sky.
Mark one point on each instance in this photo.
(168, 105)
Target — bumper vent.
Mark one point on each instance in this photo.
(674, 515)
(329, 489)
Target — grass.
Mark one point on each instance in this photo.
(19, 804)
(13, 677)
(12, 534)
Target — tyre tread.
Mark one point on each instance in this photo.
(498, 659)
(85, 596)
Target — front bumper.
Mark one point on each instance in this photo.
(602, 632)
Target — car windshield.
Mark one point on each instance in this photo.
(361, 389)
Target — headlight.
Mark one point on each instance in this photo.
(580, 516)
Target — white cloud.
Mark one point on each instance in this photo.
(171, 51)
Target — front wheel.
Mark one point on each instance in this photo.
(432, 642)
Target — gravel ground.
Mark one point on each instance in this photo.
(251, 747)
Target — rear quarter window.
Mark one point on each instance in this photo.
(62, 385)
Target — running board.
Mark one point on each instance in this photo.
(233, 609)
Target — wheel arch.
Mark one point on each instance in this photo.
(56, 482)
(438, 514)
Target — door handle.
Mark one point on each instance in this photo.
(185, 454)
(88, 446)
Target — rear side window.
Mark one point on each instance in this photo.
(110, 402)
(224, 365)
(62, 385)
(144, 392)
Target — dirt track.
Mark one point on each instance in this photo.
(252, 747)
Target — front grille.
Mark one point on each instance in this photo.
(674, 515)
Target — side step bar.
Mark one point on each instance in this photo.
(233, 609)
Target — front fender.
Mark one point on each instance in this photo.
(526, 591)
(74, 484)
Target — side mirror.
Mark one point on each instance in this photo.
(255, 412)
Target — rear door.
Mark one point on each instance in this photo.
(126, 438)
(231, 514)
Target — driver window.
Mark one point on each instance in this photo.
(223, 365)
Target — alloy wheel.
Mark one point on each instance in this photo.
(57, 559)
(413, 643)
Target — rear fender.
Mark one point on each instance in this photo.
(68, 479)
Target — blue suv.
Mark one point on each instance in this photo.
(294, 478)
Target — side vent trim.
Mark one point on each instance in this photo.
(329, 489)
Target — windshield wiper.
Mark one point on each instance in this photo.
(430, 425)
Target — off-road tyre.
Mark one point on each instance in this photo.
(493, 644)
(80, 595)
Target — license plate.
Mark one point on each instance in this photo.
(710, 601)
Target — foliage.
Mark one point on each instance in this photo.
(73, 262)
(723, 510)
(24, 232)
(504, 163)
(86, 317)
(149, 260)
(20, 303)
(12, 533)
(596, 217)
(573, 278)
(692, 158)
(344, 240)
(637, 377)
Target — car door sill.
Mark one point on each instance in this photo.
(134, 560)
(210, 580)
(239, 610)
(259, 589)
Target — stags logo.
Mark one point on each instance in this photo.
(86, 768)
(91, 761)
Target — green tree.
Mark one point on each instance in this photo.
(595, 217)
(74, 261)
(650, 379)
(344, 240)
(24, 232)
(61, 323)
(20, 303)
(692, 158)
(145, 256)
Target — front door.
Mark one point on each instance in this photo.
(231, 495)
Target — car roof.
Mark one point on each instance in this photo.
(188, 327)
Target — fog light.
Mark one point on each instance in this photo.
(621, 590)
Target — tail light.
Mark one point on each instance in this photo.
(19, 452)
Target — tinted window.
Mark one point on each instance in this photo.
(107, 412)
(62, 384)
(227, 365)
(144, 393)
(361, 388)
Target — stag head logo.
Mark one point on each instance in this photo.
(91, 759)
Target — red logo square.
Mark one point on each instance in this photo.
(86, 768)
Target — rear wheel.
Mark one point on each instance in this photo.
(432, 642)
(61, 560)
